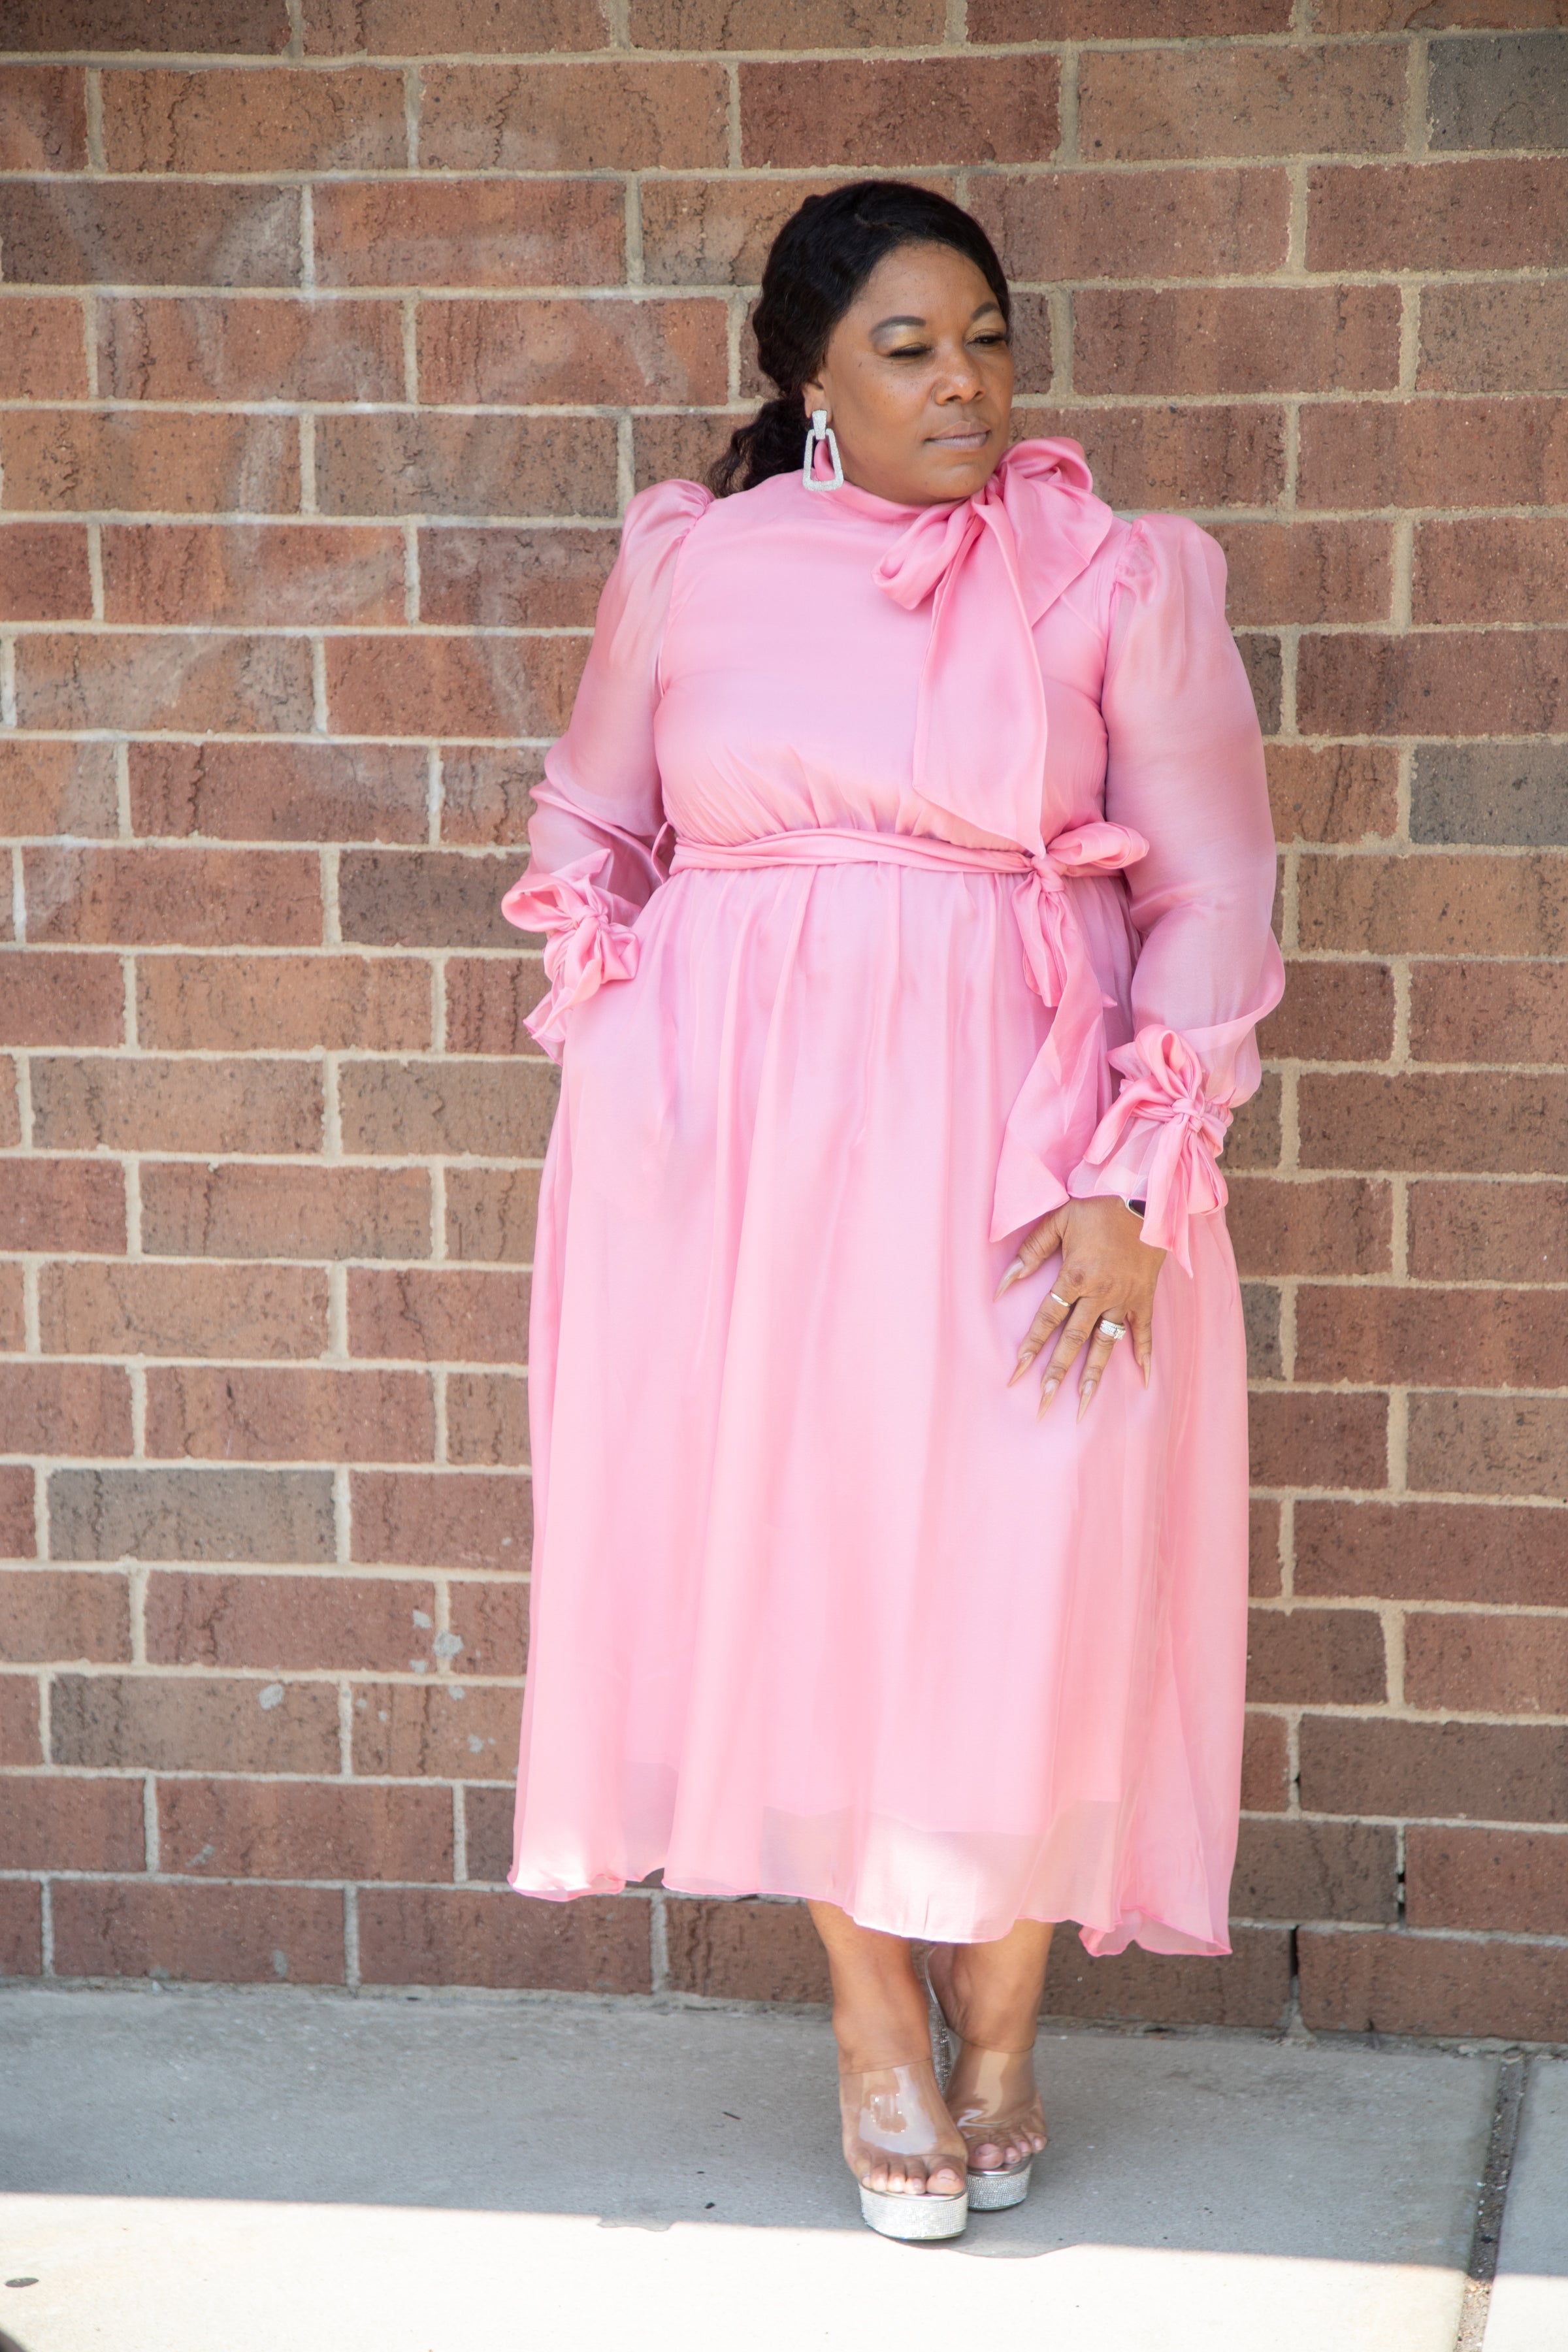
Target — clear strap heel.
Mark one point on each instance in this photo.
(898, 2111)
(998, 2102)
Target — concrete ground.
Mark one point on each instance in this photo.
(201, 2170)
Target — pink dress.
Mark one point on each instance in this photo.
(903, 872)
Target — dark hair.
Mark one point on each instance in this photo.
(816, 265)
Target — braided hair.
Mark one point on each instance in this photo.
(816, 265)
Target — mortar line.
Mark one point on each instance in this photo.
(1491, 2202)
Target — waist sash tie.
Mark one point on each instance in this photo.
(1069, 1085)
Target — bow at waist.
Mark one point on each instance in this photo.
(1068, 1086)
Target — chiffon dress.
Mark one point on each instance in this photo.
(904, 873)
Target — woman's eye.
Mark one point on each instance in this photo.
(993, 341)
(911, 352)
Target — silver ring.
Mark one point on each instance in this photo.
(1059, 1299)
(1110, 1330)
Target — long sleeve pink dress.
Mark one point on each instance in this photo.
(903, 872)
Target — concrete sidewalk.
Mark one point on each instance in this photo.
(240, 2171)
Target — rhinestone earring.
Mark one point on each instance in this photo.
(820, 431)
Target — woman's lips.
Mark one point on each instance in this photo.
(974, 440)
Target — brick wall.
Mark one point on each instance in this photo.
(334, 335)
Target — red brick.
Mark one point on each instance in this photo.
(1339, 1226)
(1306, 571)
(282, 1004)
(1251, 1988)
(43, 349)
(507, 233)
(425, 1519)
(1487, 1665)
(1328, 1657)
(97, 897)
(64, 1409)
(873, 111)
(11, 1322)
(1264, 1579)
(1318, 1438)
(578, 118)
(445, 1730)
(52, 1615)
(249, 347)
(491, 1213)
(453, 1313)
(434, 28)
(786, 23)
(1431, 1551)
(428, 897)
(1428, 1123)
(195, 1210)
(1516, 1338)
(1499, 214)
(21, 1929)
(1489, 1444)
(1163, 456)
(544, 579)
(1116, 20)
(487, 793)
(256, 1829)
(253, 1413)
(100, 1103)
(60, 1000)
(543, 349)
(96, 1308)
(1391, 1983)
(180, 1514)
(43, 118)
(1507, 337)
(57, 788)
(492, 1623)
(464, 1937)
(119, 233)
(1436, 903)
(453, 685)
(745, 1951)
(1262, 660)
(1402, 15)
(1253, 1141)
(271, 792)
(44, 571)
(294, 1623)
(488, 1001)
(62, 1204)
(1075, 224)
(1485, 1771)
(1447, 453)
(1464, 1012)
(71, 1825)
(1509, 1881)
(199, 1935)
(1504, 93)
(1315, 1870)
(487, 1817)
(171, 119)
(166, 1723)
(19, 1720)
(1257, 338)
(1265, 1764)
(246, 27)
(18, 1526)
(244, 686)
(683, 448)
(498, 1111)
(1332, 1013)
(1488, 1233)
(1492, 569)
(72, 460)
(718, 232)
(1139, 104)
(260, 574)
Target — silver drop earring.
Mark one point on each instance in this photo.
(818, 432)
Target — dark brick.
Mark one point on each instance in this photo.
(1509, 92)
(1385, 1982)
(218, 1515)
(1431, 1551)
(749, 1950)
(1483, 1772)
(1491, 794)
(464, 1937)
(1315, 1870)
(1315, 1657)
(201, 1935)
(1251, 1988)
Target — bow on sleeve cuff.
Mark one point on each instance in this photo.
(1158, 1141)
(585, 943)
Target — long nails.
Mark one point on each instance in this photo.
(1085, 1394)
(1048, 1392)
(1027, 1357)
(1011, 1276)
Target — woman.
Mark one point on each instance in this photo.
(905, 873)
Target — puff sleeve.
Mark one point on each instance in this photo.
(599, 811)
(1185, 770)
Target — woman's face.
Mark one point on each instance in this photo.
(918, 379)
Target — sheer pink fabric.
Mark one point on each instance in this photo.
(902, 873)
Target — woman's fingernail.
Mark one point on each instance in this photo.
(1086, 1391)
(1011, 1276)
(1046, 1394)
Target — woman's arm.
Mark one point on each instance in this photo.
(599, 811)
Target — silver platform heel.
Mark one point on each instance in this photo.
(989, 2192)
(888, 2111)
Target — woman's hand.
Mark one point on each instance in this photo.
(1107, 1269)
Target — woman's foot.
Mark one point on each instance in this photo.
(989, 1995)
